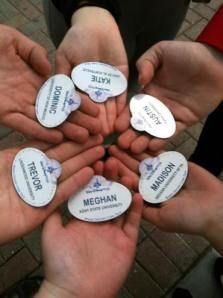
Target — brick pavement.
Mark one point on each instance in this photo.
(162, 259)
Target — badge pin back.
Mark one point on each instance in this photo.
(101, 200)
(99, 80)
(34, 182)
(52, 103)
(157, 119)
(170, 170)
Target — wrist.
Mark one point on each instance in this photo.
(49, 290)
(100, 16)
(70, 7)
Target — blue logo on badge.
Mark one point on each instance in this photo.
(98, 93)
(149, 167)
(97, 184)
(139, 122)
(51, 169)
(71, 102)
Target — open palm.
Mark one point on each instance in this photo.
(18, 218)
(24, 67)
(100, 254)
(97, 45)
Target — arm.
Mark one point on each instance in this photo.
(70, 6)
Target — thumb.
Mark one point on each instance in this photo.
(33, 54)
(148, 63)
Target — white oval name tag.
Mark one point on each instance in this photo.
(100, 200)
(151, 115)
(99, 80)
(56, 100)
(35, 176)
(162, 177)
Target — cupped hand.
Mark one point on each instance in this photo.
(187, 77)
(24, 68)
(89, 260)
(196, 209)
(94, 36)
(75, 160)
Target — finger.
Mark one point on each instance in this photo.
(122, 123)
(30, 127)
(92, 124)
(125, 140)
(111, 169)
(119, 221)
(151, 214)
(88, 106)
(33, 54)
(125, 158)
(67, 150)
(140, 144)
(80, 161)
(103, 119)
(128, 182)
(147, 64)
(98, 167)
(70, 186)
(42, 146)
(111, 113)
(62, 64)
(132, 222)
(121, 103)
(74, 132)
(157, 144)
(128, 178)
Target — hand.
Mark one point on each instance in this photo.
(75, 160)
(88, 260)
(83, 122)
(24, 68)
(187, 77)
(88, 40)
(196, 209)
(122, 167)
(129, 138)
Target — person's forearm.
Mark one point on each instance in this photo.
(100, 16)
(47, 290)
(68, 8)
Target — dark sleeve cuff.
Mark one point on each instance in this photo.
(213, 32)
(68, 7)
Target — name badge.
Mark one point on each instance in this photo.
(55, 101)
(99, 80)
(152, 116)
(162, 177)
(100, 200)
(35, 176)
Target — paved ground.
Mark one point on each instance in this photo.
(162, 259)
